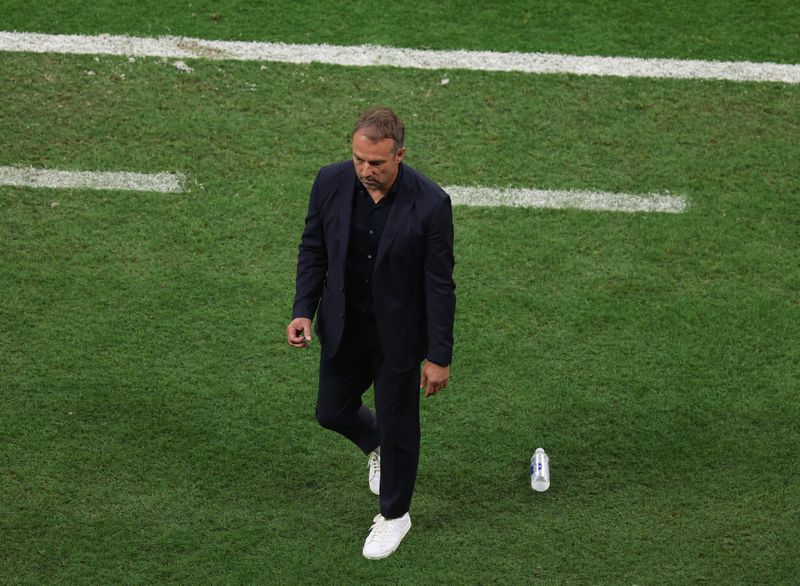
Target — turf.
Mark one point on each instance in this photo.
(157, 429)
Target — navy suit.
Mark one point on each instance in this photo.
(413, 297)
(413, 288)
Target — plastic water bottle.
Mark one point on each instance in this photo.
(540, 471)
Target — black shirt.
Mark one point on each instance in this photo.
(366, 228)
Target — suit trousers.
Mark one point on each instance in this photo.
(394, 426)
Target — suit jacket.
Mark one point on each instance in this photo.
(412, 283)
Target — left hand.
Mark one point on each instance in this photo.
(434, 378)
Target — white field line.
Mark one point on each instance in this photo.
(372, 55)
(460, 195)
(582, 200)
(115, 181)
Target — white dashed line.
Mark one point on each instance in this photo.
(556, 199)
(113, 181)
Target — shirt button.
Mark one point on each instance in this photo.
(369, 256)
(370, 231)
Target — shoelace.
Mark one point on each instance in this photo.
(380, 529)
(374, 465)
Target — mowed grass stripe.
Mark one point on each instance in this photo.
(116, 181)
(373, 55)
(566, 199)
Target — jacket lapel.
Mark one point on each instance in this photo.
(341, 217)
(401, 208)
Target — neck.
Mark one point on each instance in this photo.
(376, 194)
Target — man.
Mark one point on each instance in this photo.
(376, 266)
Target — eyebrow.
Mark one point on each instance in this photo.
(374, 162)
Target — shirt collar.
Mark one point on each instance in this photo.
(396, 185)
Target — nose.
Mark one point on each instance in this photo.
(366, 169)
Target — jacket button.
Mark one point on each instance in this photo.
(341, 289)
(341, 316)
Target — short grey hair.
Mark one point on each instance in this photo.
(380, 123)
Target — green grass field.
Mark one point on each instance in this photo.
(156, 428)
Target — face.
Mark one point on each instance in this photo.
(376, 165)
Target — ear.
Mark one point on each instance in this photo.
(400, 154)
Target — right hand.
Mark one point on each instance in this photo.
(298, 332)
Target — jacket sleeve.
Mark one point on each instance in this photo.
(312, 259)
(440, 297)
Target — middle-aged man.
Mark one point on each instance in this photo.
(375, 265)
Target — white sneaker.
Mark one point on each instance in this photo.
(374, 465)
(385, 536)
